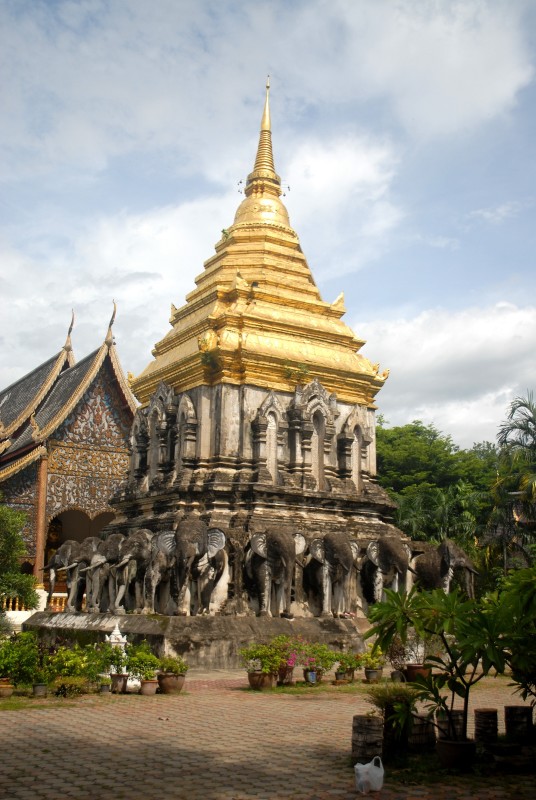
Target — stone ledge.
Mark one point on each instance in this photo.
(207, 642)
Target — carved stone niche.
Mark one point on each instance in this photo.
(312, 414)
(270, 441)
(352, 443)
(185, 440)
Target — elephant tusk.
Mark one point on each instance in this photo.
(123, 563)
(410, 569)
(70, 566)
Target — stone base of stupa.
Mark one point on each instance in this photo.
(207, 642)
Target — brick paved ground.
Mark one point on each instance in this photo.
(213, 742)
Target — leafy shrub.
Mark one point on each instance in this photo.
(174, 665)
(141, 661)
(69, 686)
(319, 657)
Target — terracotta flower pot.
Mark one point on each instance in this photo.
(285, 676)
(412, 671)
(119, 683)
(148, 686)
(170, 683)
(6, 689)
(261, 680)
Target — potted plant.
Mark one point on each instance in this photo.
(172, 674)
(105, 684)
(262, 663)
(317, 659)
(119, 670)
(348, 663)
(143, 664)
(373, 661)
(396, 702)
(289, 648)
(470, 632)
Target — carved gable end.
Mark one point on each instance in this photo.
(99, 419)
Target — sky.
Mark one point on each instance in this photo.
(404, 129)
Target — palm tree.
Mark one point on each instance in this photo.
(517, 438)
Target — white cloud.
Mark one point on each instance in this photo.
(106, 79)
(458, 370)
(496, 215)
(145, 262)
(447, 67)
(342, 200)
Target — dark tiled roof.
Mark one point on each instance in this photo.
(64, 388)
(17, 397)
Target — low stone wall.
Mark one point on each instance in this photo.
(207, 642)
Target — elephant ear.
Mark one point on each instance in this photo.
(215, 541)
(373, 553)
(316, 548)
(356, 550)
(299, 543)
(165, 542)
(259, 544)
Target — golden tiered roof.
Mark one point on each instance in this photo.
(256, 316)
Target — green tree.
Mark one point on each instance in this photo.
(441, 490)
(12, 582)
(517, 438)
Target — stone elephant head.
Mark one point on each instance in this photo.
(134, 557)
(201, 564)
(386, 565)
(64, 559)
(269, 565)
(330, 564)
(434, 569)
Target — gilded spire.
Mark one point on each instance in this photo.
(264, 169)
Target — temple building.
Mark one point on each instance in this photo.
(258, 408)
(64, 446)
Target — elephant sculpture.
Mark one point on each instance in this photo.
(386, 565)
(160, 573)
(100, 576)
(434, 569)
(330, 563)
(81, 560)
(134, 558)
(201, 569)
(269, 566)
(60, 561)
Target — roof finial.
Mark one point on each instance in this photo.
(109, 336)
(265, 123)
(68, 344)
(264, 169)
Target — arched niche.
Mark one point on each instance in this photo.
(269, 429)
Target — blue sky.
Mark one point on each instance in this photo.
(405, 130)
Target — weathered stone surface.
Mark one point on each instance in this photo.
(208, 642)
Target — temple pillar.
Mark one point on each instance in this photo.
(40, 519)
